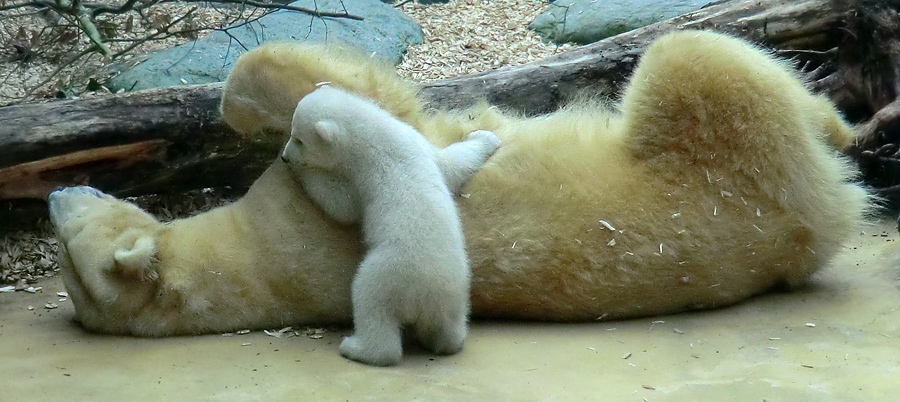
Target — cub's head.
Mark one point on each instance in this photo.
(319, 130)
(107, 256)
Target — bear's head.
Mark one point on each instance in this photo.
(318, 129)
(107, 258)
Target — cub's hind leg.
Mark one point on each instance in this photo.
(377, 334)
(443, 329)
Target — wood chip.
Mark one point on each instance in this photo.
(286, 331)
(463, 37)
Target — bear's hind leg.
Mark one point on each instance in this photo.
(377, 334)
(266, 83)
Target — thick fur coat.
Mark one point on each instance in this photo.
(715, 179)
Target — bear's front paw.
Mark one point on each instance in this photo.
(486, 137)
(372, 354)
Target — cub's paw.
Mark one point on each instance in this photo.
(490, 140)
(446, 345)
(354, 348)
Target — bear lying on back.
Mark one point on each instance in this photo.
(714, 179)
(415, 272)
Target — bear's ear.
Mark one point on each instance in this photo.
(137, 261)
(328, 131)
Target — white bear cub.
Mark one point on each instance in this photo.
(359, 163)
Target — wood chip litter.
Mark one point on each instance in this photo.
(607, 225)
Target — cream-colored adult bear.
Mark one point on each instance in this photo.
(415, 273)
(715, 180)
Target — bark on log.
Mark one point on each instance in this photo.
(133, 143)
(173, 139)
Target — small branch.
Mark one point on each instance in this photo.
(87, 25)
(316, 13)
(37, 4)
(97, 9)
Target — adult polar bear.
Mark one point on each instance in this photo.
(716, 181)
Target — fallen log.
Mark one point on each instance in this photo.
(133, 143)
(173, 139)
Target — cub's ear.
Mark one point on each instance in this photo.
(137, 260)
(328, 131)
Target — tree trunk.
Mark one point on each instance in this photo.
(173, 139)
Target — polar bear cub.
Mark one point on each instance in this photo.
(359, 163)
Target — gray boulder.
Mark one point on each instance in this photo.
(587, 21)
(384, 31)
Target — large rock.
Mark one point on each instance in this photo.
(384, 31)
(586, 21)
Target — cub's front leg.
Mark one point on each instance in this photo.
(459, 161)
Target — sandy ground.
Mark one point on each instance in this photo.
(836, 340)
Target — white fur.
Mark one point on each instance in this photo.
(415, 272)
(334, 194)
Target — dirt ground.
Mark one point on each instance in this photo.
(836, 340)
